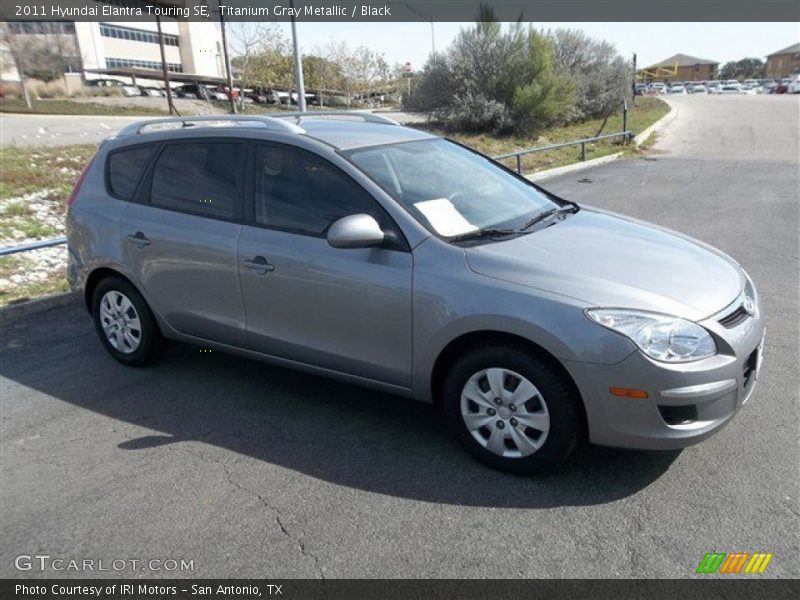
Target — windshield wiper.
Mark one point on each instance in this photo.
(571, 207)
(481, 234)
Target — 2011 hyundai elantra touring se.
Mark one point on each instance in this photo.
(351, 247)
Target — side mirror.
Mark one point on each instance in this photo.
(355, 231)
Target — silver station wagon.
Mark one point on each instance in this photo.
(351, 247)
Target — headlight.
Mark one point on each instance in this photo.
(664, 338)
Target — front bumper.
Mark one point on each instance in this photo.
(686, 402)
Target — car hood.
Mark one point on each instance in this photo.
(613, 261)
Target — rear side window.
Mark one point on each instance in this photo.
(125, 169)
(297, 191)
(200, 178)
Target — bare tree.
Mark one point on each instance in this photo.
(44, 53)
(261, 53)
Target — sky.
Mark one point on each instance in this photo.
(652, 42)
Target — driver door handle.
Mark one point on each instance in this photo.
(259, 265)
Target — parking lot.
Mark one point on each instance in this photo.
(251, 470)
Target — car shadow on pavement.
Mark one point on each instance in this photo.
(328, 430)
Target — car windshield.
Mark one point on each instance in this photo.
(449, 189)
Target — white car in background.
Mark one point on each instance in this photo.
(677, 90)
(752, 88)
(698, 89)
(794, 85)
(730, 89)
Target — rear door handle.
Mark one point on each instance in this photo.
(259, 265)
(139, 239)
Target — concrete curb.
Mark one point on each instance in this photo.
(24, 308)
(658, 125)
(573, 167)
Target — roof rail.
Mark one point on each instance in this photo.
(324, 114)
(210, 121)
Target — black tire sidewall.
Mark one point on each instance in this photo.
(558, 393)
(151, 342)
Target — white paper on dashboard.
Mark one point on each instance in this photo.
(444, 217)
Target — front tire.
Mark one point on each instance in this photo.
(512, 410)
(125, 324)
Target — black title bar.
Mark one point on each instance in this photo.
(390, 11)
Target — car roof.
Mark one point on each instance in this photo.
(342, 132)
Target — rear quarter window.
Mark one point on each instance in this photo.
(125, 169)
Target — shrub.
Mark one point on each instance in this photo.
(46, 90)
(474, 112)
(491, 80)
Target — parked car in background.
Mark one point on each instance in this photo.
(752, 88)
(752, 82)
(215, 93)
(127, 89)
(768, 85)
(713, 87)
(794, 85)
(732, 82)
(192, 91)
(781, 86)
(361, 252)
(697, 88)
(151, 91)
(264, 96)
(677, 90)
(640, 89)
(730, 89)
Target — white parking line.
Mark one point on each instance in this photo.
(104, 126)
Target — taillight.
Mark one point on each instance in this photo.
(79, 182)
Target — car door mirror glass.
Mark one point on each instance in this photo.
(355, 231)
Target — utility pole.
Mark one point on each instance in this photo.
(164, 72)
(633, 85)
(298, 68)
(227, 63)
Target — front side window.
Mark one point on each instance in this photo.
(200, 178)
(449, 189)
(125, 169)
(300, 192)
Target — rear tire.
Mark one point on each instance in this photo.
(512, 410)
(125, 324)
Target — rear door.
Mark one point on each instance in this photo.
(345, 310)
(181, 237)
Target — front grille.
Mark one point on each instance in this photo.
(733, 319)
(749, 367)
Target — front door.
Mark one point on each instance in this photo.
(348, 310)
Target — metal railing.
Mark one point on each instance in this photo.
(33, 246)
(626, 136)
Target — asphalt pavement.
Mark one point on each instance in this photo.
(250, 470)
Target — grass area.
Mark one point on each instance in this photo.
(69, 107)
(29, 226)
(54, 168)
(647, 111)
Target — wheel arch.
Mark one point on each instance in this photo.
(467, 341)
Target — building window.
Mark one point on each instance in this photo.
(136, 35)
(126, 63)
(42, 27)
